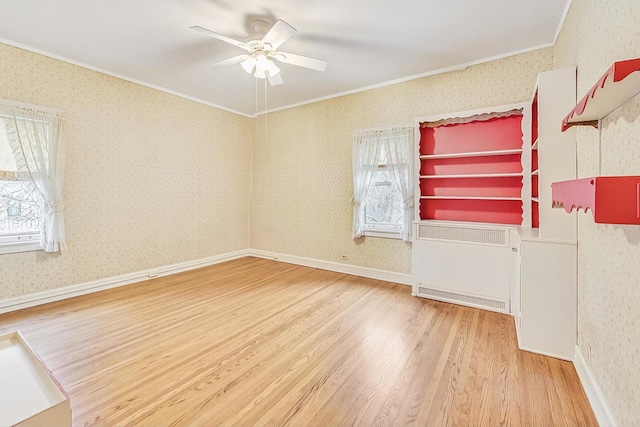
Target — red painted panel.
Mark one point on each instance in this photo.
(534, 186)
(534, 160)
(534, 118)
(479, 187)
(472, 165)
(612, 199)
(487, 211)
(617, 200)
(496, 134)
(535, 215)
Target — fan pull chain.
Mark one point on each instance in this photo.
(265, 111)
(256, 127)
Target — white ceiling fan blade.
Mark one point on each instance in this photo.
(301, 61)
(219, 36)
(278, 34)
(230, 61)
(275, 80)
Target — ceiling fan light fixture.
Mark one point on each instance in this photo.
(248, 64)
(262, 62)
(263, 65)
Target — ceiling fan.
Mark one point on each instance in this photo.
(262, 48)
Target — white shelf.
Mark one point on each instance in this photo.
(535, 199)
(472, 154)
(469, 198)
(535, 172)
(535, 145)
(475, 175)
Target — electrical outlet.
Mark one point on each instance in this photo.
(345, 258)
(153, 273)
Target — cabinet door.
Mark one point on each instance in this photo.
(548, 298)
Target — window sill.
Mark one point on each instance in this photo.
(383, 234)
(19, 243)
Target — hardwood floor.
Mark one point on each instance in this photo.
(253, 342)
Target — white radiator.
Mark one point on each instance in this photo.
(464, 263)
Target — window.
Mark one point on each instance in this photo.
(20, 203)
(31, 178)
(383, 205)
(383, 182)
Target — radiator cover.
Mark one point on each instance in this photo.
(463, 263)
(464, 234)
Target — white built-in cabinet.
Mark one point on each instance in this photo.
(546, 305)
(472, 190)
(527, 269)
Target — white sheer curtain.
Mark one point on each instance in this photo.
(400, 142)
(366, 147)
(35, 139)
(364, 152)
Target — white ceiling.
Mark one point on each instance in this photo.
(366, 43)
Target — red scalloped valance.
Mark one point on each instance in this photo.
(475, 118)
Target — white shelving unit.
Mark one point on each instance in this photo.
(556, 149)
(546, 289)
(517, 269)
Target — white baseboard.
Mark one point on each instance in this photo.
(594, 394)
(58, 294)
(371, 273)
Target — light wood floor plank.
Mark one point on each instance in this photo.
(257, 342)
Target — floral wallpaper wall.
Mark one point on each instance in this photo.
(596, 34)
(302, 179)
(151, 179)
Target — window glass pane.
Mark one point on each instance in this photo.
(20, 207)
(383, 203)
